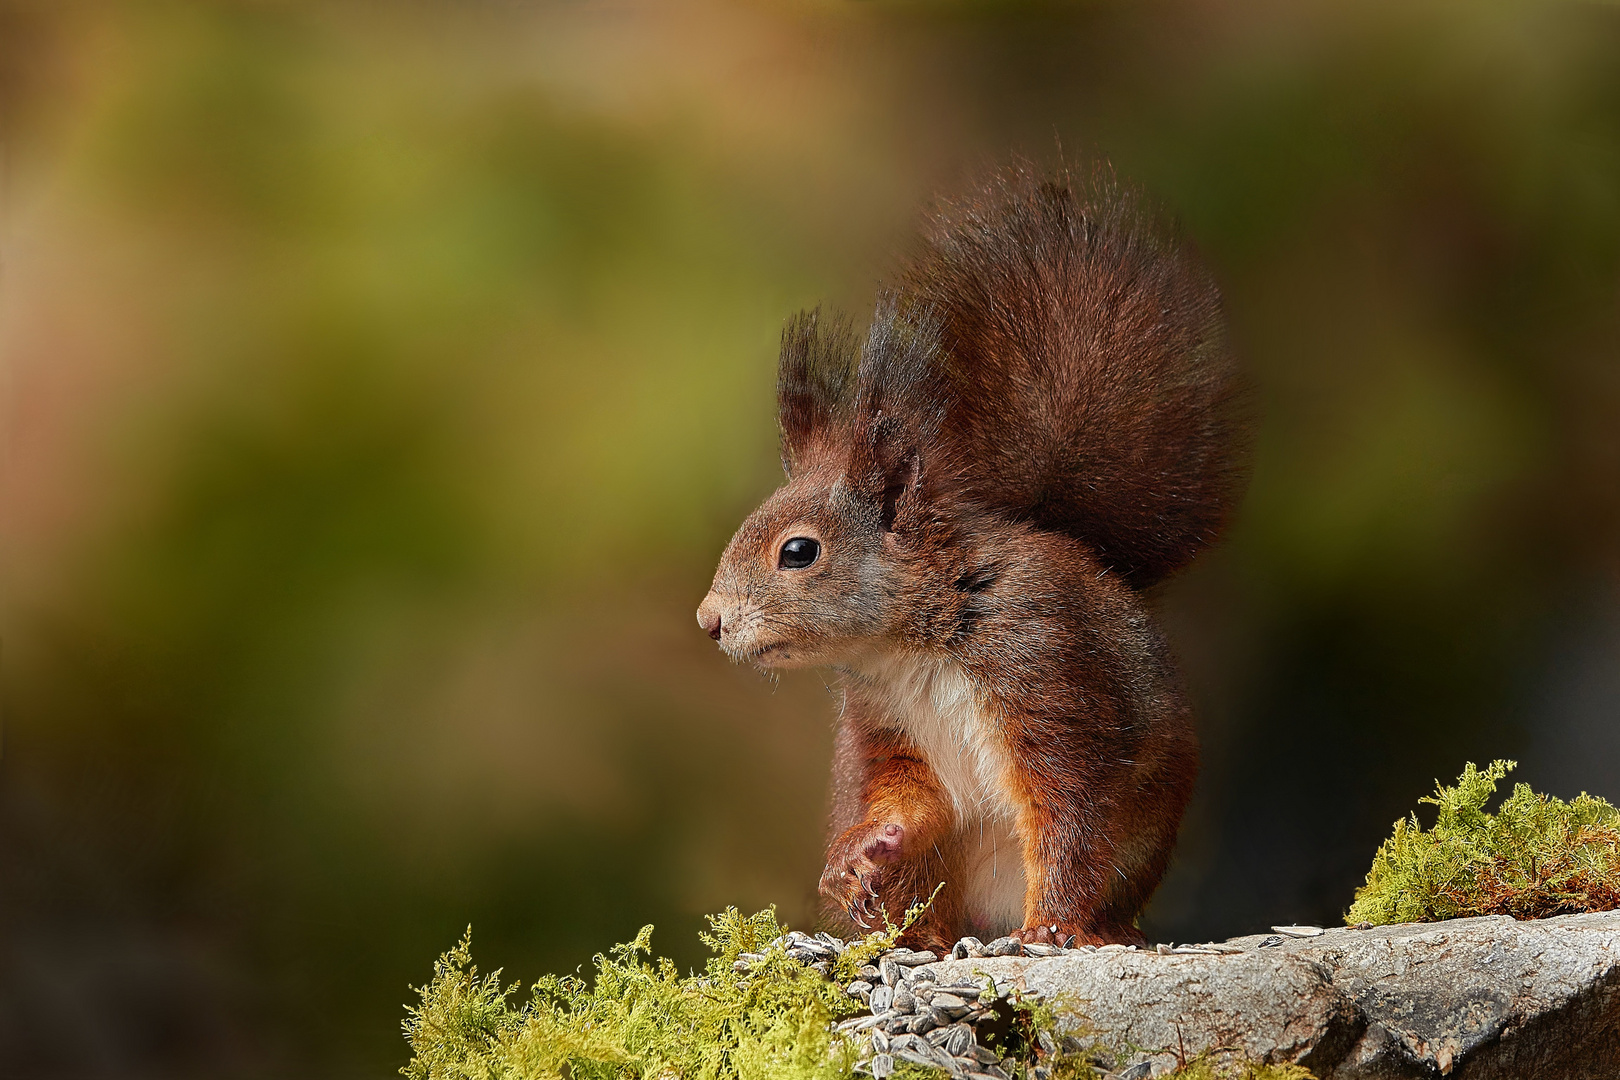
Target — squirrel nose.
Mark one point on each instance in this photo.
(710, 621)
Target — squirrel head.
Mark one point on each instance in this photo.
(821, 572)
(808, 578)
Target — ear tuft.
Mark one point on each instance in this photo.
(814, 383)
(873, 407)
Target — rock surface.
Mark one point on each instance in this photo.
(1475, 999)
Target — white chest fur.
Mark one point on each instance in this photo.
(937, 706)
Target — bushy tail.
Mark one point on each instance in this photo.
(1054, 354)
(1091, 388)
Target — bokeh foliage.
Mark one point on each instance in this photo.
(381, 382)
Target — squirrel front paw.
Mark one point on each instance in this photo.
(859, 863)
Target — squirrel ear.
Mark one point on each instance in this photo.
(900, 489)
(894, 470)
(898, 407)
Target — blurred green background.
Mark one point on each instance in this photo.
(381, 382)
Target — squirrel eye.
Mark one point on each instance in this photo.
(798, 553)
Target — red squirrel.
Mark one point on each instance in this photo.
(1042, 422)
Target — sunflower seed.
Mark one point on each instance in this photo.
(1004, 946)
(859, 1023)
(964, 990)
(936, 1057)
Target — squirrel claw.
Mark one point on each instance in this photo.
(1056, 933)
(859, 866)
(859, 911)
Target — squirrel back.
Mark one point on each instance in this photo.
(1053, 354)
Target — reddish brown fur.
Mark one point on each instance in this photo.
(1037, 426)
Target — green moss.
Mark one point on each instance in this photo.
(641, 1018)
(1095, 1060)
(638, 1018)
(1206, 1067)
(1535, 856)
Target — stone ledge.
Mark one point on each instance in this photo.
(1476, 999)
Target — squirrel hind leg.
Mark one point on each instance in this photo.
(1144, 857)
